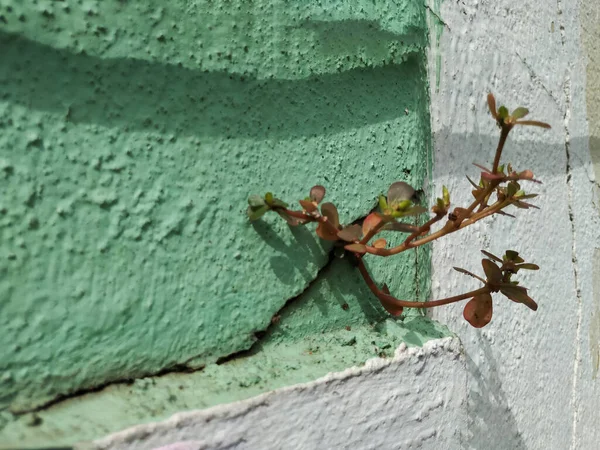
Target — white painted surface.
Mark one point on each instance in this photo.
(414, 400)
(529, 373)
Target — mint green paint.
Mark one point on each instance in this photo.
(130, 137)
(291, 352)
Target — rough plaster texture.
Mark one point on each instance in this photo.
(357, 408)
(288, 354)
(529, 374)
(131, 136)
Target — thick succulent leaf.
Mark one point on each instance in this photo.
(502, 112)
(524, 205)
(528, 266)
(526, 196)
(390, 306)
(277, 203)
(478, 310)
(512, 189)
(256, 213)
(466, 272)
(383, 203)
(476, 186)
(326, 232)
(513, 255)
(317, 193)
(330, 211)
(256, 201)
(446, 195)
(380, 243)
(490, 176)
(491, 256)
(351, 233)
(518, 294)
(356, 248)
(492, 271)
(400, 226)
(491, 101)
(502, 213)
(398, 192)
(414, 211)
(519, 113)
(485, 169)
(291, 221)
(371, 221)
(534, 123)
(308, 205)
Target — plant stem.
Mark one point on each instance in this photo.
(503, 135)
(423, 228)
(393, 301)
(438, 234)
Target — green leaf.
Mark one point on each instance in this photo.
(256, 201)
(382, 203)
(512, 255)
(511, 189)
(502, 112)
(446, 195)
(519, 113)
(414, 211)
(256, 213)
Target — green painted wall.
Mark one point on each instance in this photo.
(130, 137)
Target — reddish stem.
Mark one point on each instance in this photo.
(395, 302)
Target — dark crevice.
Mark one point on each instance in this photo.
(260, 334)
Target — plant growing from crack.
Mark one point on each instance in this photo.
(498, 188)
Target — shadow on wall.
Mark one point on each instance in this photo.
(490, 417)
(173, 99)
(116, 221)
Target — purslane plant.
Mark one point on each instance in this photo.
(498, 188)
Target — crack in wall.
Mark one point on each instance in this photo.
(569, 175)
(184, 366)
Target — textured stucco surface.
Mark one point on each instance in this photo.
(529, 374)
(356, 408)
(288, 354)
(131, 136)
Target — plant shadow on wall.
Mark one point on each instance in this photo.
(489, 413)
(173, 99)
(497, 189)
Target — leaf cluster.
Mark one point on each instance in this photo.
(499, 187)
